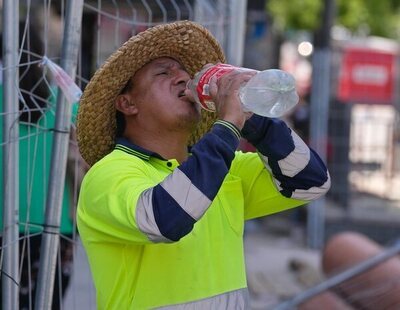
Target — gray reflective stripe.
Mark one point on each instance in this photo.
(237, 300)
(265, 161)
(305, 194)
(145, 217)
(297, 160)
(313, 192)
(188, 196)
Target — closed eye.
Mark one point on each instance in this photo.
(162, 73)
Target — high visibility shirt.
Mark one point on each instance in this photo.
(159, 233)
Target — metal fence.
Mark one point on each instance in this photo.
(42, 170)
(364, 140)
(41, 167)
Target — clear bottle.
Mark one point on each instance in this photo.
(270, 93)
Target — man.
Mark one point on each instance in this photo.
(163, 225)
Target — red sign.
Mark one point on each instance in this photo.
(367, 76)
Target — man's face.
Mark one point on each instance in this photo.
(158, 91)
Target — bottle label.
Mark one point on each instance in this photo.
(203, 86)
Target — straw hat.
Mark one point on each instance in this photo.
(187, 42)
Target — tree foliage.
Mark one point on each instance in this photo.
(373, 17)
(298, 14)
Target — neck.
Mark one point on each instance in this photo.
(169, 146)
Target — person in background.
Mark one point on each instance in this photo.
(162, 224)
(36, 120)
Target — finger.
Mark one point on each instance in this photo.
(189, 94)
(213, 86)
(233, 80)
(235, 74)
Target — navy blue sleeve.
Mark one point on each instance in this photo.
(297, 170)
(184, 196)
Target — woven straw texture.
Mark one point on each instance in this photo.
(189, 43)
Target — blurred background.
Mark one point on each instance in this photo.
(345, 58)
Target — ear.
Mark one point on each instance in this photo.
(125, 104)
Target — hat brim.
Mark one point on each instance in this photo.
(189, 43)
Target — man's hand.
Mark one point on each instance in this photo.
(225, 94)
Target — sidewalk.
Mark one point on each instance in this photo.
(278, 268)
(81, 293)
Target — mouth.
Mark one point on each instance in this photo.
(186, 95)
(181, 94)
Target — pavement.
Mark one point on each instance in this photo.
(81, 294)
(279, 265)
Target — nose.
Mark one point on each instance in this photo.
(181, 76)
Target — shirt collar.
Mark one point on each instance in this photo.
(126, 146)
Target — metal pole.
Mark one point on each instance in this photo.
(236, 31)
(319, 108)
(50, 238)
(10, 246)
(210, 17)
(340, 278)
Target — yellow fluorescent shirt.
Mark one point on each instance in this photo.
(130, 271)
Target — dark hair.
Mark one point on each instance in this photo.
(128, 87)
(120, 120)
(119, 116)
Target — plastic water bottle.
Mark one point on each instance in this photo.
(270, 93)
